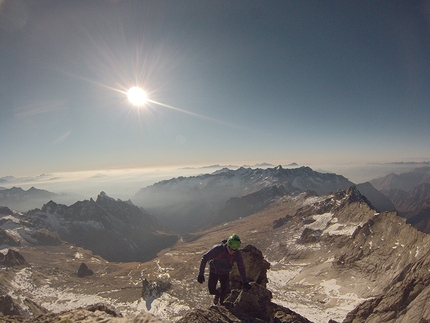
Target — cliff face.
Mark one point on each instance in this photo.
(405, 300)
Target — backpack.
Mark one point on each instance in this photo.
(223, 242)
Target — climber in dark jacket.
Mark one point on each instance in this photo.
(221, 258)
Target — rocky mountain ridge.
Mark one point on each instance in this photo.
(23, 200)
(186, 203)
(403, 181)
(113, 229)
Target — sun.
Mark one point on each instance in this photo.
(136, 96)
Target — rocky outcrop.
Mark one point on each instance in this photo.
(281, 221)
(13, 258)
(310, 236)
(253, 306)
(6, 239)
(256, 268)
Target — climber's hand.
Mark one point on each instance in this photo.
(201, 279)
(246, 286)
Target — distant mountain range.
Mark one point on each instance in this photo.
(114, 229)
(404, 181)
(22, 200)
(184, 204)
(410, 193)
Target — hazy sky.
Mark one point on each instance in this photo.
(235, 82)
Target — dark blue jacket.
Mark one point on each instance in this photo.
(221, 262)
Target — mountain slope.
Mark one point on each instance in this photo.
(416, 199)
(328, 255)
(183, 204)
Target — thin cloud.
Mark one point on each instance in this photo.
(62, 138)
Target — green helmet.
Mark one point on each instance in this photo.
(233, 242)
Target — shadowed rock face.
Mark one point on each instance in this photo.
(13, 258)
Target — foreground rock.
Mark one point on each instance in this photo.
(245, 306)
(94, 313)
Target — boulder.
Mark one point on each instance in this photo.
(84, 271)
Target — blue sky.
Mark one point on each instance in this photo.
(239, 82)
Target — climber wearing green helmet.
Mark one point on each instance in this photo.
(221, 258)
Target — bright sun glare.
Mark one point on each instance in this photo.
(136, 96)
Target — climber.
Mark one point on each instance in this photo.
(221, 258)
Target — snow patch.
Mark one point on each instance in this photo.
(321, 221)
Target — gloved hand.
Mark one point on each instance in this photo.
(201, 279)
(246, 286)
